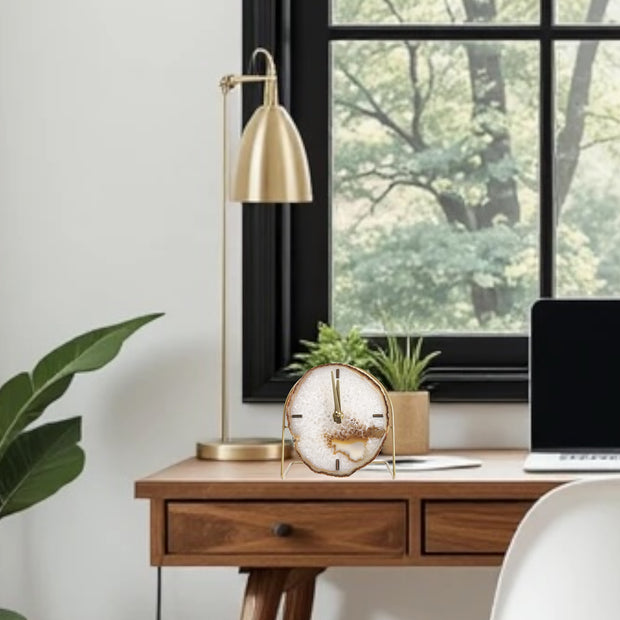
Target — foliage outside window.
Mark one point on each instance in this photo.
(436, 202)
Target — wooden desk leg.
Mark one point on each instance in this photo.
(263, 592)
(300, 593)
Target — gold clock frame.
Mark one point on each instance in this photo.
(391, 470)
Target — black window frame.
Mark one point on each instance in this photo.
(286, 247)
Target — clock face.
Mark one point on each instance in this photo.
(338, 416)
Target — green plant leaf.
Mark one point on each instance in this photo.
(24, 397)
(403, 371)
(331, 347)
(38, 463)
(89, 351)
(7, 614)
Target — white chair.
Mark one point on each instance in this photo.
(564, 560)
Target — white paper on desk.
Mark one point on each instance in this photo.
(425, 463)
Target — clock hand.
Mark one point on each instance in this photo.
(336, 392)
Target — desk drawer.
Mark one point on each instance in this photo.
(367, 528)
(470, 527)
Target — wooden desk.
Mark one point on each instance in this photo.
(285, 532)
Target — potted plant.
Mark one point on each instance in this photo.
(331, 347)
(404, 373)
(37, 462)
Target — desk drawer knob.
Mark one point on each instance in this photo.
(281, 529)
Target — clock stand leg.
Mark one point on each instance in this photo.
(265, 587)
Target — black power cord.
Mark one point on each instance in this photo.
(158, 604)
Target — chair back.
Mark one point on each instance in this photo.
(564, 559)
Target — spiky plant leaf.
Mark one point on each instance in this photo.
(403, 371)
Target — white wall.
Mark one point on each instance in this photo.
(109, 207)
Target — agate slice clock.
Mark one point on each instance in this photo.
(338, 416)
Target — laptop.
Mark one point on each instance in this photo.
(575, 385)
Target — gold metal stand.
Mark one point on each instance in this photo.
(285, 442)
(250, 449)
(272, 168)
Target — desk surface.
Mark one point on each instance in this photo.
(505, 466)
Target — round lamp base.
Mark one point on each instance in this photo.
(244, 449)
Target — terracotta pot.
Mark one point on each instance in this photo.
(411, 418)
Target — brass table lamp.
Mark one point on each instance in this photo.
(272, 168)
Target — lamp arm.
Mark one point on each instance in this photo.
(228, 82)
(270, 79)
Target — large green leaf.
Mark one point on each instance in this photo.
(6, 614)
(24, 397)
(38, 463)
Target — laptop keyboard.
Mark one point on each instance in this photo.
(573, 461)
(590, 457)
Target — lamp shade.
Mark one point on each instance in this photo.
(272, 165)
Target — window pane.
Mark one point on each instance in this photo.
(587, 165)
(588, 11)
(434, 11)
(434, 185)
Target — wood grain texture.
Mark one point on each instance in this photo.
(194, 479)
(263, 592)
(463, 527)
(245, 528)
(158, 531)
(208, 513)
(328, 560)
(265, 587)
(223, 514)
(300, 594)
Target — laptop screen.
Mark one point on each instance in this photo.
(575, 374)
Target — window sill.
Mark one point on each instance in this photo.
(482, 385)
